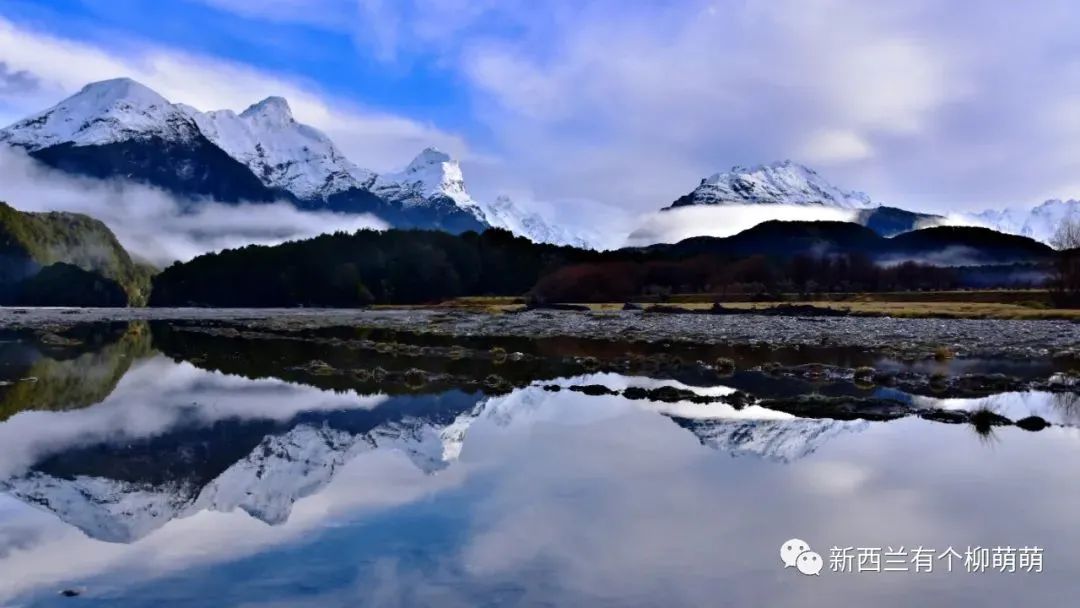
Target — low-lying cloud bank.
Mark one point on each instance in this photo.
(156, 226)
(674, 225)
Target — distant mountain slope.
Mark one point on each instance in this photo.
(30, 242)
(970, 245)
(1039, 222)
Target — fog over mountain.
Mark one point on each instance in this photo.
(122, 129)
(156, 225)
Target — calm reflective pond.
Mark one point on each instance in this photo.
(143, 466)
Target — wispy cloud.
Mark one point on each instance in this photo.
(155, 226)
(674, 225)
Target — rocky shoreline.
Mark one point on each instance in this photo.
(898, 338)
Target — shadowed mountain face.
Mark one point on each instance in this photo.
(891, 221)
(192, 168)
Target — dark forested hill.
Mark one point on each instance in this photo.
(92, 258)
(417, 266)
(393, 266)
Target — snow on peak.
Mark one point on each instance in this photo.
(504, 213)
(273, 108)
(107, 92)
(431, 175)
(430, 156)
(784, 182)
(102, 113)
(282, 152)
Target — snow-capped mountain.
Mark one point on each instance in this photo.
(504, 213)
(778, 183)
(283, 153)
(431, 177)
(120, 128)
(104, 112)
(434, 176)
(1039, 222)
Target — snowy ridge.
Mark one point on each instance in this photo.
(102, 113)
(1039, 222)
(504, 213)
(778, 183)
(280, 151)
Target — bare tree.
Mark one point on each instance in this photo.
(1067, 235)
(1066, 284)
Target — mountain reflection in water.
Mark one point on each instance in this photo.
(160, 478)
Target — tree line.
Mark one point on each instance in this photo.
(367, 267)
(419, 267)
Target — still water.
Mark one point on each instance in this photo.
(129, 477)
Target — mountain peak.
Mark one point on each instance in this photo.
(273, 109)
(106, 92)
(100, 113)
(782, 182)
(432, 174)
(430, 156)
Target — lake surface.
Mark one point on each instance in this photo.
(146, 467)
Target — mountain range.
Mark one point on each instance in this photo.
(121, 128)
(791, 184)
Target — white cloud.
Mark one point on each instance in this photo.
(833, 146)
(905, 98)
(674, 225)
(155, 226)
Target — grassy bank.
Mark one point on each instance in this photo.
(996, 304)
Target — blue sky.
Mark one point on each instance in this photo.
(331, 59)
(603, 108)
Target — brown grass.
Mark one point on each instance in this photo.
(1014, 304)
